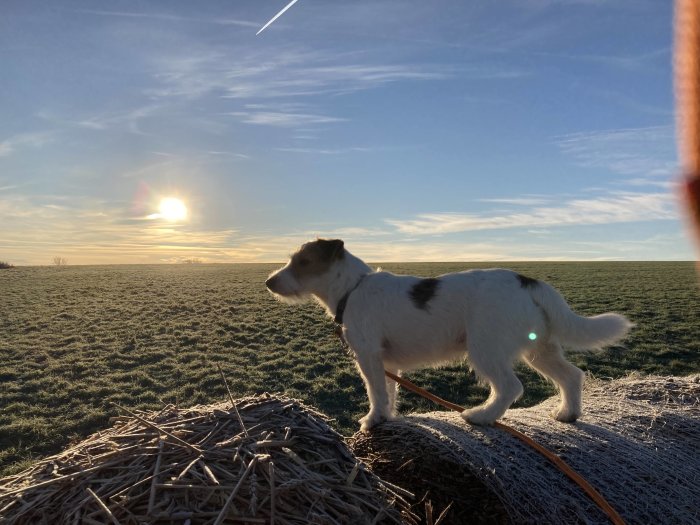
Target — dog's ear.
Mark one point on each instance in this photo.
(331, 249)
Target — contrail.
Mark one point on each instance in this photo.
(290, 4)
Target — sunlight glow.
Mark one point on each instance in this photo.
(172, 209)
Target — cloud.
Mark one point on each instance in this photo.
(611, 209)
(299, 115)
(89, 231)
(282, 119)
(276, 248)
(36, 140)
(226, 154)
(518, 201)
(326, 151)
(631, 62)
(650, 181)
(168, 17)
(130, 118)
(92, 231)
(278, 73)
(186, 162)
(645, 151)
(347, 232)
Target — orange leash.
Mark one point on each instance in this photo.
(596, 496)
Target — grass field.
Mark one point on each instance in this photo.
(75, 339)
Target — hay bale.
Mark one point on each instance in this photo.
(273, 461)
(637, 444)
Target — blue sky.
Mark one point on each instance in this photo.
(446, 130)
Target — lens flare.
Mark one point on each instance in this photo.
(172, 209)
(532, 336)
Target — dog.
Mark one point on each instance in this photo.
(399, 323)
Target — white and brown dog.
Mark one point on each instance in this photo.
(492, 317)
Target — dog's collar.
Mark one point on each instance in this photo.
(340, 309)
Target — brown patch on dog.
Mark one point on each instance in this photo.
(316, 257)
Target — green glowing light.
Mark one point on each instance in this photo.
(532, 336)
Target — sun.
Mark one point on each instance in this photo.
(172, 209)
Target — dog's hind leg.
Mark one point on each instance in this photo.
(492, 365)
(550, 362)
(372, 369)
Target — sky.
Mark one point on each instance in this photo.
(415, 131)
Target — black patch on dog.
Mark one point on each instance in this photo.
(423, 291)
(331, 249)
(527, 282)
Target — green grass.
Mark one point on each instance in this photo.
(75, 339)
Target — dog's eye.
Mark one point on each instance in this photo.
(304, 262)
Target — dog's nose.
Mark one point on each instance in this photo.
(270, 282)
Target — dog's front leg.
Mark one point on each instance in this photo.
(369, 361)
(392, 388)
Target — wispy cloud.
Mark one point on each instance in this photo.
(276, 248)
(669, 185)
(91, 230)
(282, 119)
(304, 116)
(348, 232)
(168, 17)
(630, 62)
(225, 154)
(326, 151)
(268, 74)
(130, 118)
(182, 162)
(645, 151)
(611, 209)
(36, 139)
(629, 100)
(518, 201)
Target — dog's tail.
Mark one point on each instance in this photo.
(575, 331)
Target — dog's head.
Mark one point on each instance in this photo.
(308, 271)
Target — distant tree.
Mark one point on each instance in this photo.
(5, 265)
(59, 261)
(192, 260)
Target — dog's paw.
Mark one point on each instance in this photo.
(372, 419)
(565, 414)
(478, 416)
